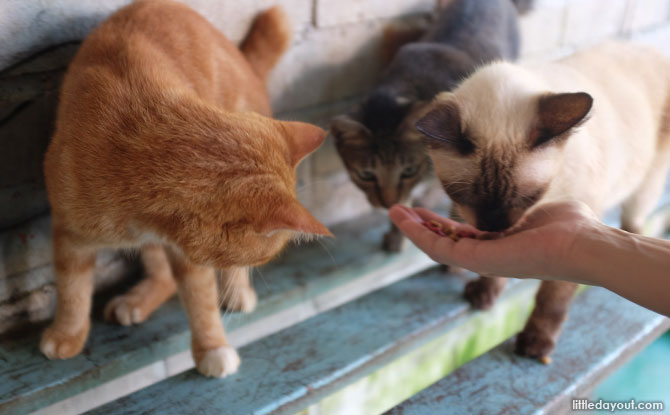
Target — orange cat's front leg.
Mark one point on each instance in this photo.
(74, 267)
(197, 288)
(140, 301)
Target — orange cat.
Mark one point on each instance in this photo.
(153, 149)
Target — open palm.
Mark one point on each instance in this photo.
(539, 245)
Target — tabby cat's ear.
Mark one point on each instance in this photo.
(442, 127)
(303, 139)
(292, 216)
(559, 113)
(347, 131)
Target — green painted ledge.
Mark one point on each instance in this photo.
(467, 337)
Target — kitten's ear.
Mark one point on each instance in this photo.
(348, 131)
(442, 127)
(558, 113)
(303, 139)
(292, 216)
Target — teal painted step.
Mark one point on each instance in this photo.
(644, 378)
(301, 365)
(303, 282)
(602, 332)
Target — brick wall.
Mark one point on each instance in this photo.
(334, 59)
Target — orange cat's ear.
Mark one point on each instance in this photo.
(303, 139)
(292, 216)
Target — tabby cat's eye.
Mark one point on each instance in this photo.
(366, 175)
(410, 171)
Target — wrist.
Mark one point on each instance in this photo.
(584, 260)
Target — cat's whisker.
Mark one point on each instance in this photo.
(325, 248)
(311, 184)
(223, 287)
(461, 184)
(227, 294)
(260, 273)
(234, 294)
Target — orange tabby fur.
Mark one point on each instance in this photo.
(159, 145)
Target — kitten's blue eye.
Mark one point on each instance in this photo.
(366, 175)
(410, 171)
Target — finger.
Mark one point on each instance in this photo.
(407, 211)
(428, 215)
(399, 213)
(437, 247)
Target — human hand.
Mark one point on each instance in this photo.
(539, 245)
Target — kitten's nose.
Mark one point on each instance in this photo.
(388, 198)
(494, 220)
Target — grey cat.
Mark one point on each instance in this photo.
(382, 151)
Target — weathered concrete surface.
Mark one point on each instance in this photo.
(30, 297)
(27, 293)
(25, 247)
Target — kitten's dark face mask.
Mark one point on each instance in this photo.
(386, 168)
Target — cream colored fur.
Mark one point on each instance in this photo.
(620, 154)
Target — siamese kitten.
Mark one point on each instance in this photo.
(594, 127)
(164, 142)
(377, 141)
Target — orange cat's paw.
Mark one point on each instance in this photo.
(219, 362)
(125, 310)
(241, 299)
(534, 343)
(58, 344)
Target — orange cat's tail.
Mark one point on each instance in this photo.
(267, 40)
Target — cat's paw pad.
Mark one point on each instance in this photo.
(58, 344)
(480, 294)
(451, 269)
(534, 343)
(125, 310)
(393, 242)
(219, 362)
(241, 299)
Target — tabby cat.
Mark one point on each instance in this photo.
(377, 141)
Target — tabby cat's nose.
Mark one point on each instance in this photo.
(388, 199)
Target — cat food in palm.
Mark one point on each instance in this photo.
(450, 231)
(439, 229)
